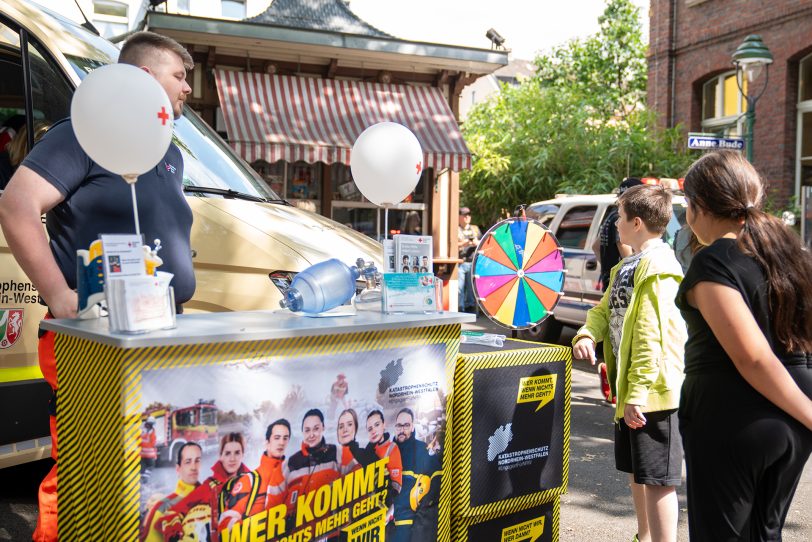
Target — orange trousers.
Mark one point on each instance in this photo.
(46, 530)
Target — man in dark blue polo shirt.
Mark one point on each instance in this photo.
(82, 200)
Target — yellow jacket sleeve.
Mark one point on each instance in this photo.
(647, 340)
(597, 321)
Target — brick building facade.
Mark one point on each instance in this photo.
(690, 83)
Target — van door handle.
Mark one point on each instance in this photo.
(592, 264)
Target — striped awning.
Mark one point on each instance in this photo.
(277, 117)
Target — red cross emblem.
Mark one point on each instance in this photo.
(163, 116)
(419, 167)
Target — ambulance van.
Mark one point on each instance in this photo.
(247, 242)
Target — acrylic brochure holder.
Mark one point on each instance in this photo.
(411, 293)
(140, 304)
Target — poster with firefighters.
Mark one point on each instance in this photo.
(344, 446)
(511, 439)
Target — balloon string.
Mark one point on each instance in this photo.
(135, 211)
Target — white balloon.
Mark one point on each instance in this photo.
(122, 118)
(386, 163)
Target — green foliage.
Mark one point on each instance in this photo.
(607, 69)
(579, 126)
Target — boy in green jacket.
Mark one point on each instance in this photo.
(643, 338)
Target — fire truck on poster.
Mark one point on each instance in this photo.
(175, 426)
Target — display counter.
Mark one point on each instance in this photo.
(225, 381)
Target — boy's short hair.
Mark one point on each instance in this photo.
(649, 203)
(141, 46)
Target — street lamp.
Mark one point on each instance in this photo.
(751, 56)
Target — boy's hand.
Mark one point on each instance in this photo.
(585, 349)
(633, 417)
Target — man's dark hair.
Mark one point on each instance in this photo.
(140, 48)
(406, 410)
(281, 421)
(313, 412)
(373, 412)
(185, 445)
(649, 203)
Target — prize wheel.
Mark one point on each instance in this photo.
(518, 273)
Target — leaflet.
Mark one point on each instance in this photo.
(413, 253)
(123, 255)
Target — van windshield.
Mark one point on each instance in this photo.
(207, 160)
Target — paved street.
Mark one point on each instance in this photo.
(597, 507)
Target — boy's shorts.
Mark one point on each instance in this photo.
(653, 453)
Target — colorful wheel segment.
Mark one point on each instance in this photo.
(518, 273)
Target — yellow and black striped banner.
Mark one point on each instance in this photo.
(100, 409)
(501, 398)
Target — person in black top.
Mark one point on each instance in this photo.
(607, 247)
(745, 411)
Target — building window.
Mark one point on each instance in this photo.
(805, 122)
(805, 79)
(111, 18)
(803, 165)
(233, 9)
(723, 106)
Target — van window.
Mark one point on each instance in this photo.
(11, 74)
(207, 162)
(574, 227)
(50, 91)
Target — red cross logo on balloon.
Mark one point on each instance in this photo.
(163, 116)
(419, 167)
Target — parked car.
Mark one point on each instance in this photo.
(247, 242)
(575, 221)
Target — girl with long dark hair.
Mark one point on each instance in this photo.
(745, 411)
